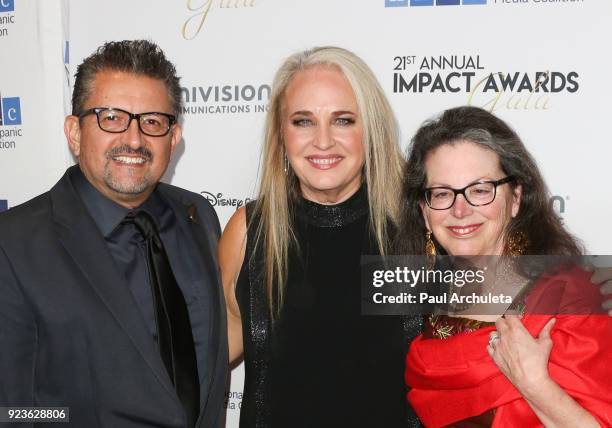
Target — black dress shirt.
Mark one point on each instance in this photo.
(128, 250)
(126, 244)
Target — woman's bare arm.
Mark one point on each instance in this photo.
(231, 255)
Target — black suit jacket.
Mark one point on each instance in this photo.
(70, 332)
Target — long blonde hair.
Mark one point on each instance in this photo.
(382, 170)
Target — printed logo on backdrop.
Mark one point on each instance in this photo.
(559, 204)
(3, 205)
(413, 3)
(226, 99)
(7, 17)
(199, 11)
(221, 200)
(10, 121)
(233, 400)
(490, 89)
(416, 3)
(537, 2)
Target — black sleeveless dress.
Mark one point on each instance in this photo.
(322, 364)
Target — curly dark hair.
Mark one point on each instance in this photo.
(536, 218)
(141, 57)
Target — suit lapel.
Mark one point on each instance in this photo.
(82, 240)
(196, 246)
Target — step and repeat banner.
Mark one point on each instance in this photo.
(541, 65)
(33, 87)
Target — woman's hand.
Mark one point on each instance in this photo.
(522, 358)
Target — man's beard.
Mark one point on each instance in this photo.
(130, 187)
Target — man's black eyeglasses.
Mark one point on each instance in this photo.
(115, 120)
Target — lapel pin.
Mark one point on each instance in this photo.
(192, 213)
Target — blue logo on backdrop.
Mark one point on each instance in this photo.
(396, 3)
(10, 110)
(415, 3)
(7, 5)
(3, 203)
(10, 119)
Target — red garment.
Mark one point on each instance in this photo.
(454, 379)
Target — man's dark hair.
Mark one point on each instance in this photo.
(141, 57)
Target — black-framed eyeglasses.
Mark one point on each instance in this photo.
(115, 120)
(476, 194)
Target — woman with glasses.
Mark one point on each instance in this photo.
(472, 189)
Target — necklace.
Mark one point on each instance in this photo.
(501, 287)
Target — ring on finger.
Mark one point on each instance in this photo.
(493, 337)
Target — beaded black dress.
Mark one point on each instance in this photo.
(321, 363)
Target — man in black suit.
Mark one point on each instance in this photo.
(110, 298)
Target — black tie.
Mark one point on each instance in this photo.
(175, 339)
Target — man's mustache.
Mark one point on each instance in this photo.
(127, 150)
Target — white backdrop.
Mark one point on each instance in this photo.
(234, 46)
(32, 75)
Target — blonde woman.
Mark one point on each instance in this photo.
(331, 178)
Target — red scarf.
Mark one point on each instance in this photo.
(455, 379)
